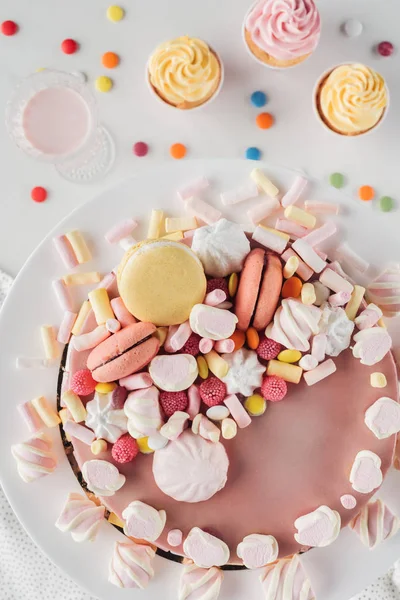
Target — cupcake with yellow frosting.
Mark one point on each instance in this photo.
(185, 72)
(351, 99)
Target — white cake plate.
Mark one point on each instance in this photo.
(336, 572)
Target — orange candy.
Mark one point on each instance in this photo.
(178, 151)
(366, 193)
(110, 60)
(239, 337)
(265, 120)
(252, 338)
(292, 288)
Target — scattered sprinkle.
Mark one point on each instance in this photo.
(386, 203)
(9, 28)
(352, 27)
(140, 149)
(253, 153)
(292, 288)
(366, 193)
(69, 46)
(178, 151)
(39, 194)
(252, 338)
(115, 13)
(258, 99)
(265, 120)
(103, 83)
(233, 284)
(337, 180)
(110, 60)
(385, 49)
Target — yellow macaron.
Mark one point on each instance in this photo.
(160, 281)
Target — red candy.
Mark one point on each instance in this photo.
(386, 48)
(9, 28)
(39, 194)
(192, 345)
(69, 46)
(125, 449)
(212, 391)
(268, 349)
(140, 149)
(273, 388)
(82, 383)
(218, 283)
(173, 401)
(118, 397)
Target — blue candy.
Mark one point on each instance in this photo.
(258, 99)
(253, 153)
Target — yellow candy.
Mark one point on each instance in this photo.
(144, 447)
(156, 221)
(217, 365)
(202, 367)
(300, 216)
(105, 388)
(291, 267)
(286, 371)
(255, 405)
(103, 83)
(101, 305)
(114, 520)
(378, 380)
(180, 224)
(46, 412)
(81, 318)
(355, 302)
(228, 428)
(115, 13)
(79, 246)
(81, 278)
(75, 406)
(176, 236)
(233, 284)
(98, 446)
(49, 340)
(308, 295)
(289, 356)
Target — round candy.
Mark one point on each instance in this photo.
(9, 28)
(253, 153)
(385, 48)
(233, 284)
(366, 193)
(336, 180)
(265, 120)
(255, 405)
(115, 13)
(386, 203)
(143, 444)
(103, 83)
(258, 99)
(140, 149)
(69, 46)
(178, 151)
(39, 194)
(110, 60)
(353, 27)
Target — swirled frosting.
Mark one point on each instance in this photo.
(375, 523)
(184, 71)
(81, 518)
(131, 565)
(200, 584)
(352, 99)
(286, 580)
(285, 29)
(294, 323)
(34, 457)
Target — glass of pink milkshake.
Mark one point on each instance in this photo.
(52, 116)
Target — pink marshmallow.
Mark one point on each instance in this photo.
(245, 192)
(319, 373)
(181, 336)
(293, 194)
(215, 297)
(315, 237)
(121, 312)
(63, 294)
(237, 411)
(79, 432)
(351, 258)
(30, 416)
(203, 210)
(348, 501)
(321, 254)
(368, 317)
(87, 341)
(120, 231)
(224, 346)
(65, 330)
(270, 240)
(339, 299)
(168, 347)
(318, 348)
(303, 270)
(174, 537)
(107, 281)
(337, 267)
(308, 254)
(192, 188)
(189, 234)
(137, 381)
(321, 208)
(206, 345)
(65, 251)
(335, 282)
(225, 305)
(193, 407)
(263, 211)
(290, 227)
(113, 325)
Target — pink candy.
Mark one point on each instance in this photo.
(206, 345)
(339, 299)
(120, 231)
(30, 416)
(63, 294)
(193, 407)
(318, 348)
(245, 192)
(290, 227)
(65, 251)
(321, 208)
(303, 270)
(270, 240)
(107, 281)
(308, 254)
(192, 188)
(352, 259)
(215, 297)
(224, 346)
(203, 211)
(121, 312)
(87, 341)
(335, 282)
(263, 211)
(175, 537)
(137, 381)
(67, 323)
(297, 188)
(177, 337)
(319, 373)
(79, 432)
(237, 411)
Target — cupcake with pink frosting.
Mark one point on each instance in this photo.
(282, 33)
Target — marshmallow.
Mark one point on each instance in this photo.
(322, 293)
(295, 191)
(174, 537)
(177, 337)
(121, 312)
(339, 299)
(74, 404)
(335, 282)
(211, 322)
(308, 362)
(127, 243)
(87, 341)
(375, 523)
(270, 238)
(81, 518)
(65, 251)
(49, 341)
(338, 329)
(348, 501)
(302, 270)
(131, 565)
(112, 325)
(216, 364)
(173, 225)
(137, 381)
(288, 372)
(351, 259)
(79, 246)
(120, 231)
(82, 278)
(156, 221)
(173, 373)
(200, 583)
(143, 411)
(102, 477)
(204, 211)
(66, 325)
(368, 317)
(193, 407)
(308, 254)
(101, 305)
(319, 528)
(294, 323)
(245, 372)
(224, 346)
(81, 318)
(143, 521)
(245, 192)
(308, 296)
(215, 297)
(319, 373)
(291, 227)
(355, 302)
(228, 429)
(372, 345)
(366, 475)
(384, 291)
(291, 267)
(98, 446)
(321, 208)
(286, 580)
(217, 413)
(263, 210)
(264, 183)
(156, 441)
(383, 418)
(378, 380)
(314, 238)
(257, 550)
(205, 428)
(237, 411)
(25, 362)
(85, 435)
(108, 281)
(175, 425)
(206, 345)
(30, 416)
(318, 348)
(35, 458)
(49, 416)
(299, 216)
(205, 549)
(192, 188)
(63, 294)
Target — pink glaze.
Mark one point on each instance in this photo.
(56, 121)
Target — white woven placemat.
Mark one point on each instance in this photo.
(27, 574)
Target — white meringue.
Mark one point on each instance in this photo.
(372, 345)
(81, 518)
(102, 477)
(337, 327)
(294, 323)
(143, 412)
(319, 528)
(131, 565)
(200, 584)
(383, 418)
(106, 422)
(245, 372)
(205, 549)
(258, 550)
(221, 247)
(144, 522)
(366, 475)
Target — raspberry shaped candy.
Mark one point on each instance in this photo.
(173, 401)
(125, 449)
(268, 349)
(82, 383)
(273, 388)
(192, 345)
(212, 391)
(219, 283)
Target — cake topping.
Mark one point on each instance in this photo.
(375, 524)
(173, 373)
(348, 501)
(258, 550)
(200, 584)
(102, 477)
(294, 323)
(212, 391)
(175, 425)
(205, 549)
(34, 457)
(143, 521)
(383, 418)
(385, 291)
(286, 580)
(371, 345)
(203, 426)
(212, 322)
(125, 449)
(338, 329)
(318, 528)
(143, 411)
(366, 475)
(174, 537)
(131, 565)
(81, 518)
(106, 422)
(221, 247)
(245, 372)
(191, 469)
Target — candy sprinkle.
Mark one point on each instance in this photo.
(178, 151)
(352, 28)
(110, 60)
(265, 120)
(386, 204)
(103, 83)
(69, 46)
(385, 49)
(140, 149)
(336, 180)
(366, 193)
(39, 194)
(9, 28)
(115, 13)
(253, 153)
(258, 99)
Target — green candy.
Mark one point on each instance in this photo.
(337, 180)
(386, 204)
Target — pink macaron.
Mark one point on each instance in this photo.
(124, 353)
